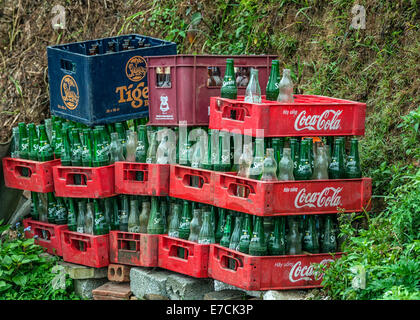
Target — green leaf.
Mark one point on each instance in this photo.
(4, 286)
(20, 280)
(7, 261)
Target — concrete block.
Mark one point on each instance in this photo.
(182, 287)
(284, 295)
(78, 272)
(151, 296)
(148, 281)
(225, 295)
(219, 286)
(83, 287)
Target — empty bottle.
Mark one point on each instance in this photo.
(60, 212)
(277, 243)
(206, 234)
(185, 221)
(144, 215)
(227, 232)
(100, 154)
(89, 218)
(151, 152)
(229, 89)
(293, 238)
(99, 223)
(286, 166)
(116, 151)
(134, 217)
(236, 234)
(329, 241)
(278, 145)
(246, 233)
(220, 225)
(66, 149)
(258, 245)
(51, 207)
(173, 230)
(124, 212)
(352, 168)
(286, 88)
(156, 224)
(272, 90)
(245, 162)
(336, 169)
(303, 169)
(269, 170)
(23, 143)
(310, 238)
(86, 153)
(253, 90)
(45, 151)
(195, 225)
(131, 146)
(256, 169)
(320, 164)
(71, 217)
(224, 152)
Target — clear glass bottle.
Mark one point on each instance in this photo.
(293, 238)
(116, 148)
(134, 217)
(173, 230)
(89, 218)
(195, 225)
(320, 164)
(144, 216)
(206, 234)
(286, 88)
(253, 90)
(131, 146)
(155, 224)
(286, 166)
(269, 170)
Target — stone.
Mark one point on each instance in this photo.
(148, 281)
(219, 286)
(83, 287)
(151, 296)
(225, 295)
(78, 272)
(119, 272)
(182, 287)
(100, 297)
(114, 289)
(284, 295)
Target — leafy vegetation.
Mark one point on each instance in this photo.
(25, 274)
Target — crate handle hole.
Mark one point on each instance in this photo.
(23, 171)
(214, 78)
(163, 80)
(195, 181)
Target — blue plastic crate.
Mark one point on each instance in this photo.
(106, 87)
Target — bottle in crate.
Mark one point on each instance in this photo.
(272, 90)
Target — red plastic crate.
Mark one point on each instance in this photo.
(96, 253)
(309, 115)
(267, 272)
(155, 179)
(99, 182)
(195, 261)
(187, 99)
(145, 253)
(180, 184)
(52, 232)
(40, 177)
(266, 198)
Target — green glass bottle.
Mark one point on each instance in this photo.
(277, 144)
(58, 143)
(294, 151)
(33, 142)
(236, 233)
(257, 164)
(134, 217)
(184, 224)
(207, 161)
(45, 151)
(76, 156)
(336, 169)
(34, 206)
(310, 151)
(173, 230)
(164, 211)
(246, 233)
(277, 243)
(101, 227)
(156, 224)
(124, 212)
(352, 169)
(51, 207)
(142, 147)
(60, 211)
(229, 89)
(115, 217)
(23, 142)
(303, 170)
(224, 164)
(66, 149)
(294, 241)
(227, 232)
(81, 222)
(329, 241)
(87, 154)
(100, 156)
(258, 245)
(220, 224)
(310, 238)
(71, 217)
(272, 89)
(206, 234)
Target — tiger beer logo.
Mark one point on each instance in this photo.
(135, 68)
(69, 92)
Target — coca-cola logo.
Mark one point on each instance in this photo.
(329, 197)
(303, 272)
(328, 120)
